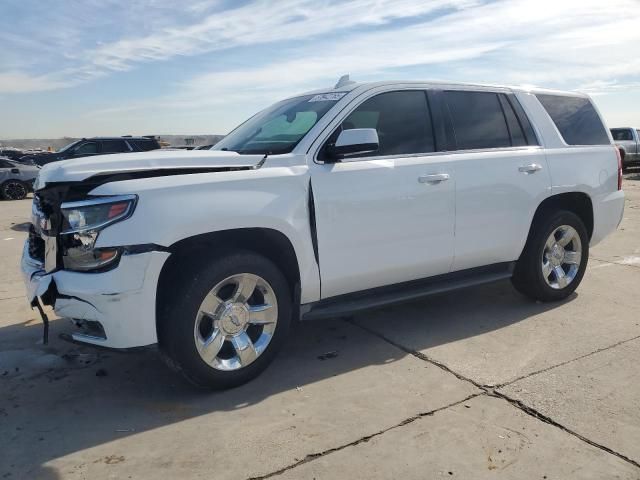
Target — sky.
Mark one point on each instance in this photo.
(116, 67)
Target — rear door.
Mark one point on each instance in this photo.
(501, 175)
(384, 217)
(5, 170)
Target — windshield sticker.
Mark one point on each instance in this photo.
(327, 97)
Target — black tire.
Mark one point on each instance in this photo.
(14, 190)
(178, 312)
(528, 277)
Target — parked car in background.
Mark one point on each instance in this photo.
(87, 147)
(323, 204)
(628, 141)
(11, 153)
(16, 179)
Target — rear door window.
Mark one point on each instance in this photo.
(576, 119)
(478, 120)
(144, 145)
(114, 146)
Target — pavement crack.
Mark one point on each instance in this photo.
(545, 419)
(613, 262)
(313, 456)
(562, 364)
(422, 356)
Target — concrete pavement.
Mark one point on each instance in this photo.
(481, 383)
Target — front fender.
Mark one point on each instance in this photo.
(175, 208)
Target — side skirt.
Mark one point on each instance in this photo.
(405, 292)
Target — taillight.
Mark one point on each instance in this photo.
(619, 167)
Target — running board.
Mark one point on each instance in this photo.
(405, 292)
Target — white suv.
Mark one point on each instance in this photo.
(323, 204)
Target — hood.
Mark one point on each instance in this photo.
(152, 163)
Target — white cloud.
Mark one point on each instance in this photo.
(19, 82)
(565, 44)
(256, 23)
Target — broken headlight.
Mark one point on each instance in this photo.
(83, 222)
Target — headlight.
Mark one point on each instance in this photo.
(83, 222)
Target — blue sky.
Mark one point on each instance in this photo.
(114, 67)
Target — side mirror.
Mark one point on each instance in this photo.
(356, 140)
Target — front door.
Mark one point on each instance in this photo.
(385, 217)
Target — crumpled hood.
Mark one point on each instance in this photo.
(153, 161)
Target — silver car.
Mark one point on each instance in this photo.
(16, 179)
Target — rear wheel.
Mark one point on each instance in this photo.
(14, 190)
(227, 321)
(555, 257)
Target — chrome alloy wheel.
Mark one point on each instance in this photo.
(236, 322)
(14, 190)
(561, 257)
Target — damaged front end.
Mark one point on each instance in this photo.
(95, 287)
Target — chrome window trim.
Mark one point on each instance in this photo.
(435, 154)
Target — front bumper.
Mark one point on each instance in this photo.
(122, 300)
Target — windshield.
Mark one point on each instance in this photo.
(279, 128)
(67, 147)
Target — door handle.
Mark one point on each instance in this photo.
(433, 178)
(531, 168)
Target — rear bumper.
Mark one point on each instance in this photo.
(122, 300)
(607, 215)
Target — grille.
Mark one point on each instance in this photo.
(36, 245)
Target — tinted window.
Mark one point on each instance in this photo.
(401, 119)
(87, 148)
(478, 121)
(144, 145)
(114, 146)
(621, 134)
(518, 138)
(5, 164)
(576, 119)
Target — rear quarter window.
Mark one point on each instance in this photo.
(144, 145)
(576, 119)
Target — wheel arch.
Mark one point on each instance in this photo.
(188, 253)
(623, 152)
(577, 202)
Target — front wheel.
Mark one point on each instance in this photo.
(227, 321)
(14, 190)
(555, 257)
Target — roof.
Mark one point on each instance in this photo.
(440, 83)
(126, 137)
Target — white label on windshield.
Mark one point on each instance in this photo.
(327, 97)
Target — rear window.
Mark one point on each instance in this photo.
(621, 134)
(576, 119)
